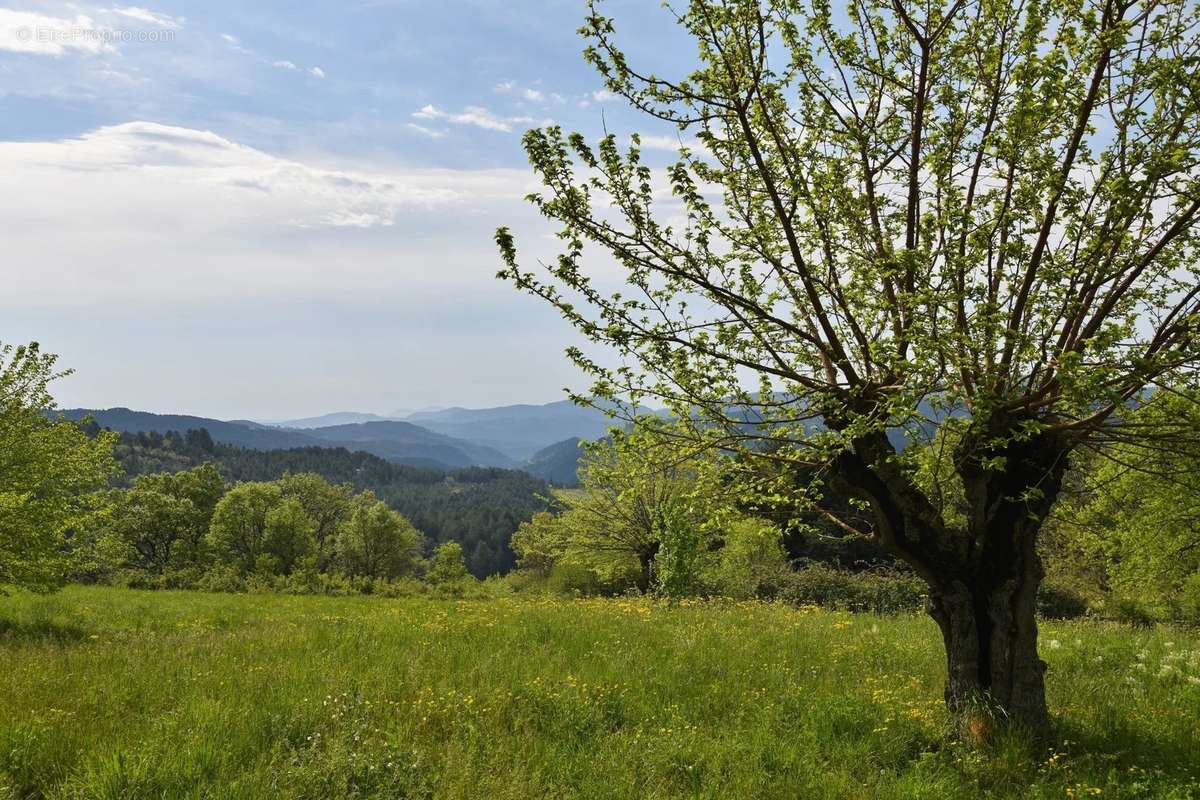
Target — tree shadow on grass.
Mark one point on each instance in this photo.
(48, 631)
(1122, 745)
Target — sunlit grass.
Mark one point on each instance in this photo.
(116, 693)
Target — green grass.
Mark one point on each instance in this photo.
(113, 693)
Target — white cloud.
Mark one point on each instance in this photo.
(472, 115)
(316, 72)
(533, 95)
(670, 143)
(145, 15)
(165, 214)
(603, 96)
(504, 87)
(432, 133)
(29, 32)
(181, 162)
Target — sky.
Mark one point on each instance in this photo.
(270, 210)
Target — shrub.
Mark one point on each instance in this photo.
(752, 564)
(1056, 601)
(222, 578)
(1131, 612)
(1185, 605)
(881, 592)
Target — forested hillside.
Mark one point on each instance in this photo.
(478, 507)
(402, 442)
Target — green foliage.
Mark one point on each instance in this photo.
(377, 542)
(49, 472)
(477, 507)
(239, 524)
(289, 534)
(751, 562)
(327, 505)
(162, 520)
(1137, 508)
(680, 556)
(446, 566)
(878, 592)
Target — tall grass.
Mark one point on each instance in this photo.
(111, 693)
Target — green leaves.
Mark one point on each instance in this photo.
(48, 469)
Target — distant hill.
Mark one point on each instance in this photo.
(404, 441)
(327, 420)
(557, 464)
(242, 434)
(400, 442)
(517, 431)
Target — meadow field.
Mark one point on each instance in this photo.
(110, 693)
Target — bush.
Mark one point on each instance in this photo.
(752, 564)
(881, 592)
(1131, 612)
(1055, 601)
(1185, 604)
(221, 578)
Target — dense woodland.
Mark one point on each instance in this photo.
(478, 507)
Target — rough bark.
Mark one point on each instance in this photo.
(983, 576)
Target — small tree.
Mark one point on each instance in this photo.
(376, 541)
(239, 523)
(326, 504)
(632, 485)
(1137, 508)
(889, 217)
(447, 566)
(49, 472)
(163, 519)
(288, 534)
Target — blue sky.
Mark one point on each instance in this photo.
(277, 209)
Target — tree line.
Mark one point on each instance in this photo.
(478, 507)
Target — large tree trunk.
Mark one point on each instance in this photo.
(984, 576)
(993, 672)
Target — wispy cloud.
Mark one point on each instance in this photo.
(432, 133)
(156, 194)
(29, 32)
(99, 31)
(478, 117)
(150, 17)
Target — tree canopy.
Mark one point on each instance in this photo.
(49, 471)
(882, 217)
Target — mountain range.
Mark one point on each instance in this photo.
(542, 440)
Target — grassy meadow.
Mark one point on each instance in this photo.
(110, 693)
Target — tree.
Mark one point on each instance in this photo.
(239, 523)
(635, 492)
(49, 470)
(447, 565)
(641, 507)
(164, 518)
(1137, 509)
(151, 524)
(288, 534)
(376, 541)
(326, 504)
(883, 219)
